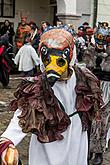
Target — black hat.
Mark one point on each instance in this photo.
(86, 23)
(81, 28)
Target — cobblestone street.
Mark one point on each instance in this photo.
(6, 95)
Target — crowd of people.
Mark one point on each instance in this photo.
(66, 103)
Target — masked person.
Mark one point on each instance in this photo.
(105, 86)
(104, 76)
(22, 29)
(101, 70)
(100, 39)
(55, 107)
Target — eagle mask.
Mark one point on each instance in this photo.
(56, 51)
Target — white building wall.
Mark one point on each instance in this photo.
(92, 13)
(103, 11)
(66, 7)
(84, 9)
(78, 11)
(74, 11)
(35, 10)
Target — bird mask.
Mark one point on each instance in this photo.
(56, 51)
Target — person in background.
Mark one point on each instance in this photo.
(80, 43)
(80, 35)
(7, 29)
(22, 29)
(35, 34)
(86, 26)
(5, 63)
(59, 23)
(45, 26)
(27, 58)
(71, 26)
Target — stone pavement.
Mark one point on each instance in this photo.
(6, 95)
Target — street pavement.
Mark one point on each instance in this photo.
(6, 95)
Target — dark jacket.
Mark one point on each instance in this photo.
(8, 30)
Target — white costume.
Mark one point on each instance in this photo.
(26, 58)
(105, 86)
(72, 150)
(82, 41)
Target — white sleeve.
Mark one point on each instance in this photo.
(93, 40)
(34, 56)
(14, 131)
(17, 57)
(105, 87)
(74, 58)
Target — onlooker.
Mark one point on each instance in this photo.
(22, 29)
(27, 58)
(45, 26)
(80, 37)
(4, 61)
(7, 29)
(85, 25)
(32, 25)
(80, 43)
(71, 27)
(35, 34)
(59, 23)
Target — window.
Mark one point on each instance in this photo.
(7, 8)
(52, 1)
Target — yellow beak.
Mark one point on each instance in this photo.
(58, 64)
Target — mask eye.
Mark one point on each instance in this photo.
(44, 50)
(66, 52)
(100, 36)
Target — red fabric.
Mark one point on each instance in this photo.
(4, 145)
(5, 63)
(1, 50)
(3, 60)
(89, 31)
(80, 33)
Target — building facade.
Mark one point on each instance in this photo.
(103, 13)
(69, 11)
